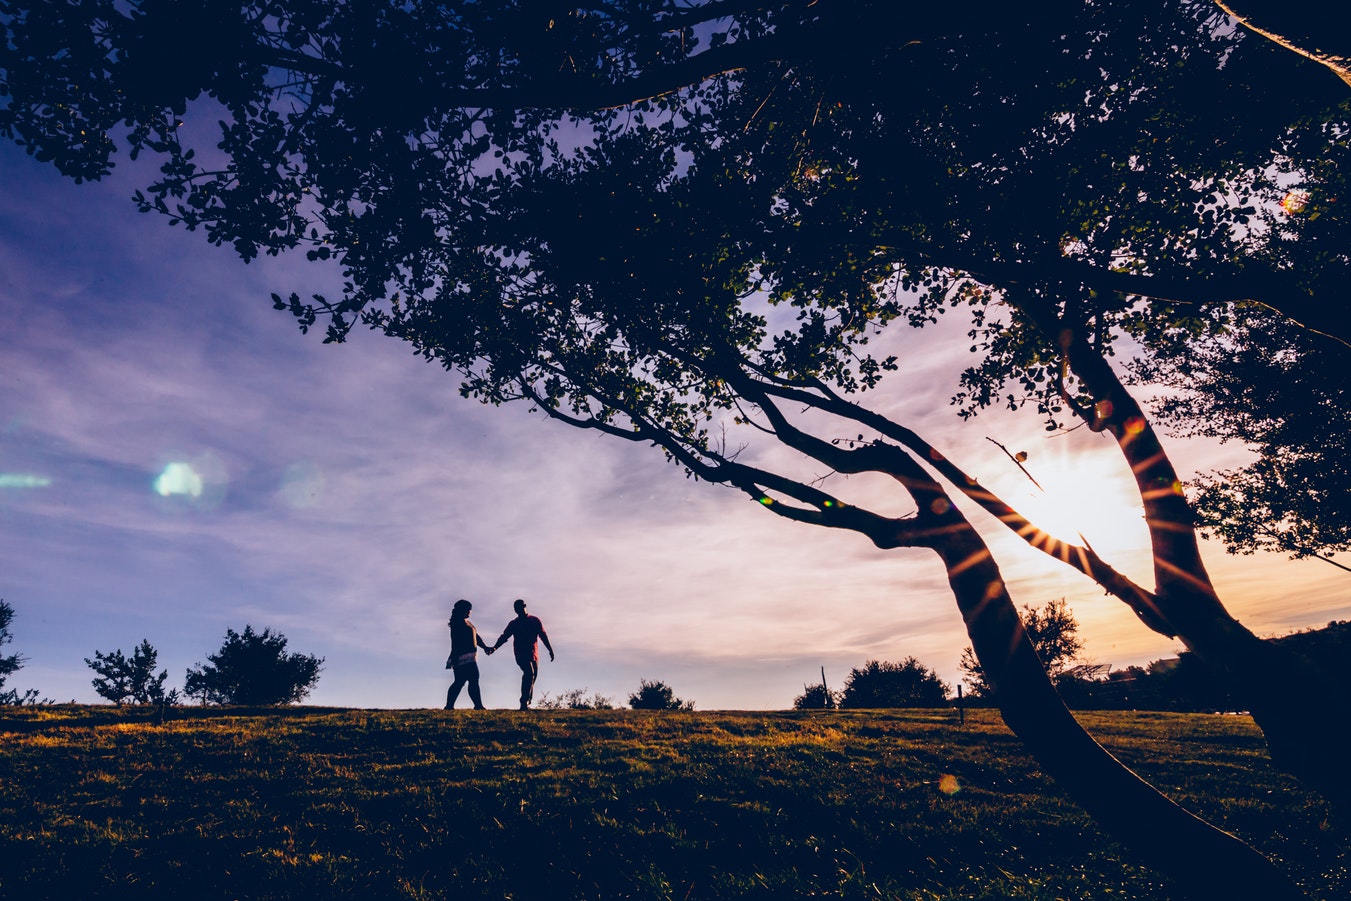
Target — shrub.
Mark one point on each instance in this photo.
(254, 668)
(657, 696)
(575, 699)
(816, 697)
(121, 678)
(11, 663)
(905, 684)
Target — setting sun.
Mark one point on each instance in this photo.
(1083, 496)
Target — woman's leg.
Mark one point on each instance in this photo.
(454, 691)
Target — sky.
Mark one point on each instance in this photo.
(176, 460)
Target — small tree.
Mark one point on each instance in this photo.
(121, 678)
(254, 668)
(1054, 633)
(884, 684)
(657, 695)
(575, 699)
(816, 697)
(11, 663)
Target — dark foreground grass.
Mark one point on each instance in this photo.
(310, 803)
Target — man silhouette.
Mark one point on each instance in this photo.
(463, 658)
(524, 631)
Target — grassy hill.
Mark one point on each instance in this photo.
(97, 802)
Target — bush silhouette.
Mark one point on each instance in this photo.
(122, 679)
(11, 663)
(884, 684)
(254, 668)
(816, 697)
(657, 695)
(575, 699)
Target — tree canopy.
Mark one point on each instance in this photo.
(696, 226)
(497, 182)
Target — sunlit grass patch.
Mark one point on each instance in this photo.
(307, 803)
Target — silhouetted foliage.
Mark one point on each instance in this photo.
(1186, 684)
(656, 695)
(253, 668)
(1054, 633)
(1272, 388)
(665, 222)
(11, 663)
(575, 699)
(1330, 647)
(121, 679)
(816, 697)
(886, 684)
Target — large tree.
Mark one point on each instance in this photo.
(685, 224)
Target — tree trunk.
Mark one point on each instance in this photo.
(1302, 719)
(1205, 861)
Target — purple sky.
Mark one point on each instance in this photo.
(177, 459)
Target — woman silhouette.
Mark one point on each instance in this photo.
(463, 659)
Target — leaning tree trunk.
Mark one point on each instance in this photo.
(1205, 861)
(1302, 718)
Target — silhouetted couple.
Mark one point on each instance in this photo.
(525, 631)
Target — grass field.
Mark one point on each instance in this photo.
(97, 802)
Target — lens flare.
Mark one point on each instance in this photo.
(179, 478)
(23, 480)
(197, 482)
(1295, 202)
(302, 484)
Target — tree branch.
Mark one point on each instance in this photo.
(1142, 602)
